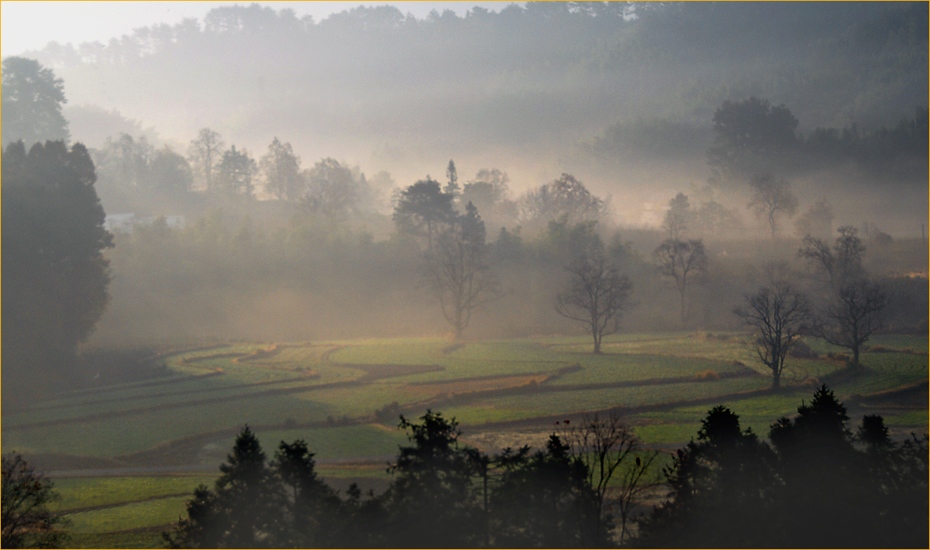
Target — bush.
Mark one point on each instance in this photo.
(27, 522)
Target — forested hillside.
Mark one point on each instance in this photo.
(529, 84)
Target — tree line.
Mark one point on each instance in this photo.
(813, 483)
(832, 62)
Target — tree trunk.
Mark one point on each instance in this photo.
(597, 344)
(487, 511)
(684, 308)
(776, 381)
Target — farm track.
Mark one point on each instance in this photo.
(118, 504)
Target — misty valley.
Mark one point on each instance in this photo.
(586, 274)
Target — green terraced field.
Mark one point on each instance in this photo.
(329, 394)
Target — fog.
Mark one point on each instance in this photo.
(621, 96)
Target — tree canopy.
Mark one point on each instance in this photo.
(32, 100)
(817, 485)
(27, 521)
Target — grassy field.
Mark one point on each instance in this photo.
(126, 456)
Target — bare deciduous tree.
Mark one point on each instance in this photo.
(609, 447)
(777, 315)
(772, 198)
(597, 293)
(841, 263)
(457, 268)
(680, 260)
(204, 154)
(854, 314)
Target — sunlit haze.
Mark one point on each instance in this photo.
(31, 25)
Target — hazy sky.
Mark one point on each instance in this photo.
(32, 25)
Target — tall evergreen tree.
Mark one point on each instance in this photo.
(55, 275)
(433, 501)
(245, 508)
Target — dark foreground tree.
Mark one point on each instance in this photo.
(458, 270)
(55, 276)
(244, 510)
(434, 499)
(777, 315)
(257, 503)
(443, 495)
(545, 500)
(824, 477)
(312, 515)
(32, 100)
(26, 520)
(719, 490)
(815, 487)
(596, 294)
